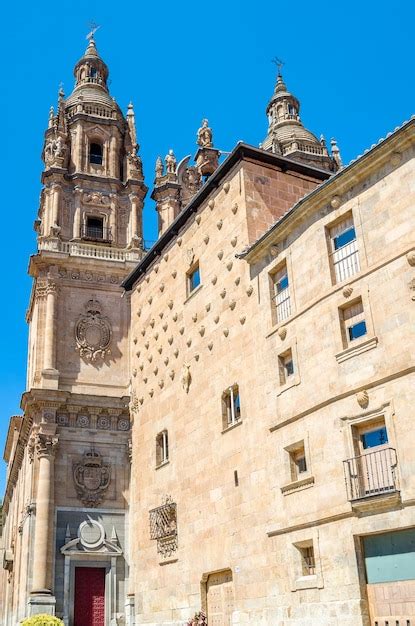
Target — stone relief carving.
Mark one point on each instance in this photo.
(93, 332)
(96, 198)
(55, 151)
(91, 478)
(186, 377)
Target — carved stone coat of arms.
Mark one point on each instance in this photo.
(93, 332)
(92, 478)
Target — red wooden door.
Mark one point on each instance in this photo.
(89, 601)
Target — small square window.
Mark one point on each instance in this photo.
(231, 407)
(193, 278)
(286, 366)
(353, 322)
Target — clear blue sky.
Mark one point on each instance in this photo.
(350, 63)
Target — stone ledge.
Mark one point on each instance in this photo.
(377, 503)
(297, 485)
(231, 427)
(353, 351)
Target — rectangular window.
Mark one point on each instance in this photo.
(162, 448)
(193, 278)
(308, 565)
(298, 463)
(282, 293)
(231, 407)
(286, 366)
(344, 252)
(353, 322)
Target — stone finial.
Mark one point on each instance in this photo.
(131, 126)
(336, 153)
(159, 168)
(51, 117)
(171, 162)
(205, 135)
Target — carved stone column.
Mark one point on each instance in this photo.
(55, 204)
(45, 446)
(134, 199)
(76, 232)
(113, 218)
(49, 350)
(113, 158)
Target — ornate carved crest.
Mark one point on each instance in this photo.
(92, 478)
(93, 333)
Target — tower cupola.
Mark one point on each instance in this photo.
(286, 134)
(91, 69)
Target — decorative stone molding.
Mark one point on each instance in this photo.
(250, 290)
(234, 241)
(242, 319)
(226, 186)
(282, 332)
(93, 333)
(211, 204)
(206, 239)
(234, 208)
(186, 377)
(396, 158)
(347, 291)
(91, 478)
(274, 250)
(335, 202)
(220, 255)
(410, 257)
(45, 445)
(362, 398)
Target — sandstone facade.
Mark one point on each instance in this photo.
(255, 367)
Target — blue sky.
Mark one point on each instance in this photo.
(350, 63)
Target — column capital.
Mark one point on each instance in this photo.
(45, 445)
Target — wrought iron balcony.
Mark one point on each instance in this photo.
(96, 233)
(371, 474)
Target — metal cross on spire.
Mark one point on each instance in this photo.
(279, 63)
(94, 27)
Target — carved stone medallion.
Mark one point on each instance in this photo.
(93, 333)
(92, 478)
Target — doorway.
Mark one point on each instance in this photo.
(220, 602)
(89, 596)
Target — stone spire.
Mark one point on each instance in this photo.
(286, 133)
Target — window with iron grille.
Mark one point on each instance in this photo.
(95, 153)
(94, 228)
(344, 252)
(308, 565)
(281, 295)
(353, 322)
(162, 448)
(163, 527)
(231, 407)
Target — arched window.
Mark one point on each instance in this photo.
(95, 153)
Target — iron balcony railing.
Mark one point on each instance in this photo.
(96, 233)
(371, 474)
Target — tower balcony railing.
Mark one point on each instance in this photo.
(96, 233)
(309, 148)
(92, 109)
(371, 474)
(78, 249)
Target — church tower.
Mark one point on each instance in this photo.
(71, 447)
(288, 137)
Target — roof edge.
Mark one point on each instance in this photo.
(239, 153)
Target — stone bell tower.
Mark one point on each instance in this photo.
(72, 449)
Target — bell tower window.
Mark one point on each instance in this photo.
(94, 228)
(95, 153)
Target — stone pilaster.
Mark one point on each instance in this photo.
(42, 599)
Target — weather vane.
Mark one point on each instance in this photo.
(94, 27)
(279, 63)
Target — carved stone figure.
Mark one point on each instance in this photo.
(159, 168)
(91, 478)
(205, 135)
(55, 151)
(170, 162)
(135, 165)
(93, 333)
(192, 179)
